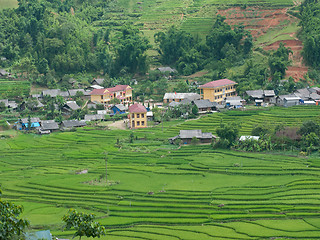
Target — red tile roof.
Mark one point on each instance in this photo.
(97, 92)
(117, 88)
(218, 83)
(137, 108)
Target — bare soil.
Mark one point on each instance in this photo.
(259, 22)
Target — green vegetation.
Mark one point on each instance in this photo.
(157, 191)
(12, 89)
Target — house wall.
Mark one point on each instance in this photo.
(138, 120)
(218, 94)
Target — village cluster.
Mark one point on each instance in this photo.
(213, 96)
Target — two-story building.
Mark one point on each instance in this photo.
(137, 116)
(217, 91)
(105, 95)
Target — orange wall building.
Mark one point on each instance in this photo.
(105, 95)
(217, 91)
(137, 116)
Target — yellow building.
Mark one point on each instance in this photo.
(137, 116)
(217, 91)
(104, 96)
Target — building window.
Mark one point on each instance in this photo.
(101, 96)
(215, 97)
(132, 115)
(142, 123)
(215, 90)
(138, 123)
(138, 115)
(142, 115)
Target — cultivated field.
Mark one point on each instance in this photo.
(12, 89)
(161, 192)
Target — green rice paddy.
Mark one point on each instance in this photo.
(163, 192)
(11, 88)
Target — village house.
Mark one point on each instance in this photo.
(205, 106)
(47, 126)
(137, 116)
(234, 102)
(70, 106)
(260, 96)
(187, 135)
(22, 124)
(97, 81)
(288, 100)
(178, 97)
(105, 95)
(73, 123)
(93, 117)
(118, 109)
(217, 91)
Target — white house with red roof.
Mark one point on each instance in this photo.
(105, 95)
(217, 91)
(137, 116)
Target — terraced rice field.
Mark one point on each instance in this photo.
(162, 192)
(11, 88)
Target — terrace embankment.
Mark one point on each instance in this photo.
(269, 27)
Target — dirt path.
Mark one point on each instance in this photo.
(118, 125)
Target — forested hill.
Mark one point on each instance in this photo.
(45, 40)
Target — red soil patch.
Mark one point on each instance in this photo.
(259, 21)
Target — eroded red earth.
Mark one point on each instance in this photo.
(259, 22)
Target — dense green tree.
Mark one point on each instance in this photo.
(279, 60)
(308, 127)
(228, 132)
(131, 50)
(11, 225)
(83, 224)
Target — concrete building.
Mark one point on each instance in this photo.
(217, 91)
(137, 116)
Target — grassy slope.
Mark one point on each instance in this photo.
(267, 196)
(8, 4)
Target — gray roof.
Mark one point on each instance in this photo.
(40, 105)
(73, 123)
(194, 133)
(121, 107)
(5, 101)
(314, 96)
(49, 125)
(36, 95)
(255, 93)
(72, 105)
(260, 93)
(64, 94)
(166, 69)
(191, 96)
(12, 104)
(282, 97)
(204, 103)
(269, 93)
(174, 104)
(4, 72)
(93, 117)
(33, 120)
(51, 92)
(99, 81)
(73, 92)
(303, 93)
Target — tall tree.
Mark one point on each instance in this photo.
(83, 224)
(11, 225)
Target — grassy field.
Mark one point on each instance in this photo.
(162, 192)
(8, 4)
(11, 88)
